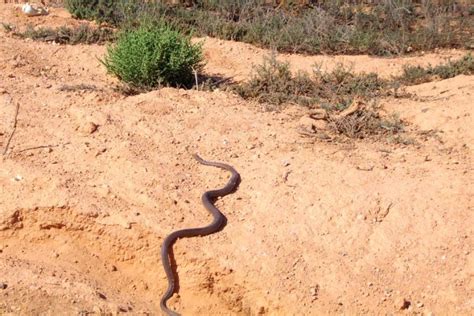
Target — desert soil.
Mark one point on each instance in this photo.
(93, 181)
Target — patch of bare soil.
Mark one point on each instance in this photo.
(93, 181)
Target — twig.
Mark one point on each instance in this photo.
(41, 147)
(13, 130)
(196, 77)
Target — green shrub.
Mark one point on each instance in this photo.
(110, 11)
(154, 55)
(83, 9)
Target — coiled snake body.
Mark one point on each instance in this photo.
(217, 224)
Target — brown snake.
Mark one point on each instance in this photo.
(217, 224)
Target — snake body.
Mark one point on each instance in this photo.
(217, 224)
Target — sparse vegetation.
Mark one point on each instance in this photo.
(365, 121)
(154, 55)
(83, 34)
(77, 87)
(275, 84)
(340, 92)
(386, 27)
(418, 74)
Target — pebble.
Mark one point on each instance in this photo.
(97, 310)
(3, 286)
(89, 128)
(318, 114)
(101, 295)
(285, 163)
(320, 125)
(403, 304)
(314, 291)
(307, 124)
(18, 178)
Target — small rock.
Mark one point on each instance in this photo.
(320, 125)
(113, 268)
(318, 114)
(403, 304)
(101, 295)
(314, 291)
(89, 128)
(365, 167)
(122, 309)
(420, 304)
(97, 310)
(3, 285)
(307, 124)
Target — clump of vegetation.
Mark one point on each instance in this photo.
(8, 27)
(339, 87)
(154, 55)
(111, 11)
(365, 121)
(83, 34)
(274, 83)
(418, 74)
(380, 28)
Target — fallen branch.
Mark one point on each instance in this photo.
(13, 130)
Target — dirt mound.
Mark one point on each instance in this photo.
(93, 182)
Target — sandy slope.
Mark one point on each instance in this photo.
(315, 227)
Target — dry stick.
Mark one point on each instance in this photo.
(196, 77)
(14, 128)
(42, 147)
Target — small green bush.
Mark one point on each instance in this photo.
(154, 55)
(110, 11)
(82, 9)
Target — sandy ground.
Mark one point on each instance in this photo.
(93, 182)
